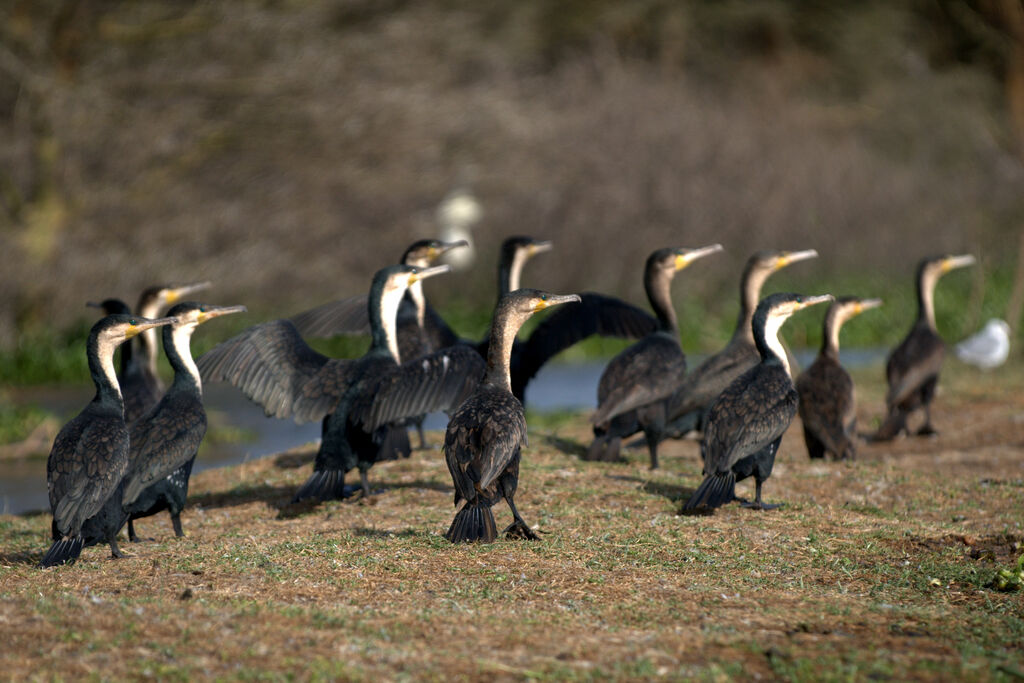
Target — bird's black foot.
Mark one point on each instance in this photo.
(518, 529)
(927, 430)
(760, 505)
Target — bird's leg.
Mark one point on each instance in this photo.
(114, 550)
(519, 528)
(423, 437)
(652, 447)
(132, 538)
(176, 523)
(759, 504)
(365, 482)
(927, 429)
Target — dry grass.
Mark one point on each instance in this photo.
(874, 569)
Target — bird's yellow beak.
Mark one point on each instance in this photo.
(954, 262)
(687, 257)
(791, 257)
(217, 311)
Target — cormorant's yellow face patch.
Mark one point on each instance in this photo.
(681, 261)
(432, 253)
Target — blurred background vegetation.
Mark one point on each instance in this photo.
(286, 149)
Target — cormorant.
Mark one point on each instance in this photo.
(165, 440)
(988, 348)
(912, 369)
(140, 384)
(635, 383)
(274, 367)
(594, 314)
(828, 405)
(482, 442)
(85, 470)
(745, 424)
(702, 385)
(420, 329)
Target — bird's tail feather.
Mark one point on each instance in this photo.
(716, 490)
(322, 485)
(894, 423)
(63, 551)
(395, 444)
(474, 522)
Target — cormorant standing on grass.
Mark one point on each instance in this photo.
(913, 367)
(165, 440)
(828, 405)
(746, 422)
(635, 383)
(701, 386)
(482, 442)
(86, 467)
(274, 367)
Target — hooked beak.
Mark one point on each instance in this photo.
(867, 305)
(424, 273)
(539, 247)
(554, 300)
(814, 300)
(954, 262)
(175, 294)
(212, 312)
(791, 257)
(689, 256)
(144, 324)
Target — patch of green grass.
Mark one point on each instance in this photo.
(18, 421)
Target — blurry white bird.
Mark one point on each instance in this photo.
(458, 212)
(989, 347)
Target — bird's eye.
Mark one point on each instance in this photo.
(202, 309)
(415, 270)
(132, 322)
(543, 297)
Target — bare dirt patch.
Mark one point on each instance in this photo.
(876, 569)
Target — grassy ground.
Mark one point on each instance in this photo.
(877, 569)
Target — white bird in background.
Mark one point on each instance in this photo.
(989, 347)
(457, 213)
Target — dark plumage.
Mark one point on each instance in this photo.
(828, 405)
(745, 424)
(594, 314)
(86, 466)
(635, 383)
(484, 436)
(274, 367)
(165, 440)
(913, 367)
(703, 384)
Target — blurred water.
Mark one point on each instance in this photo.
(558, 387)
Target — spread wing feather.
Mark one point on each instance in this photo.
(345, 316)
(275, 368)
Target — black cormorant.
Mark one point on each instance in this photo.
(745, 424)
(140, 384)
(828, 405)
(165, 440)
(274, 367)
(913, 367)
(594, 314)
(86, 467)
(482, 442)
(704, 383)
(635, 383)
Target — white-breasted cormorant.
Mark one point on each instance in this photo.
(913, 367)
(165, 440)
(86, 467)
(274, 367)
(636, 382)
(484, 435)
(828, 403)
(745, 424)
(702, 385)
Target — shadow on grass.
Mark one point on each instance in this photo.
(276, 497)
(367, 532)
(25, 557)
(677, 494)
(563, 445)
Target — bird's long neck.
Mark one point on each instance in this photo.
(177, 340)
(830, 339)
(510, 269)
(926, 297)
(126, 358)
(658, 286)
(504, 328)
(101, 367)
(766, 337)
(415, 293)
(383, 310)
(750, 293)
(147, 340)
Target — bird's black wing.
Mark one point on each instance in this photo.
(916, 360)
(438, 381)
(827, 403)
(482, 438)
(574, 322)
(274, 367)
(646, 372)
(703, 384)
(751, 413)
(162, 441)
(87, 463)
(345, 316)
